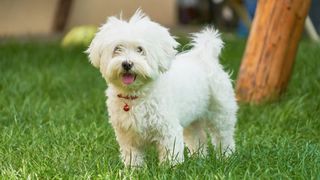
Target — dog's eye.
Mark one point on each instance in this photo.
(140, 50)
(117, 49)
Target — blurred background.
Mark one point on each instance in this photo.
(45, 17)
(51, 17)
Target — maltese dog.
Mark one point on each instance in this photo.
(156, 96)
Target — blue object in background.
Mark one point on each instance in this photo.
(314, 14)
(250, 6)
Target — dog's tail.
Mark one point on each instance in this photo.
(207, 43)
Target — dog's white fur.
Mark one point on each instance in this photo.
(181, 97)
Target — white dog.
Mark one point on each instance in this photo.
(158, 96)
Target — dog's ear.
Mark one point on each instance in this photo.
(101, 39)
(94, 53)
(168, 52)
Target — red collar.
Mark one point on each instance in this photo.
(126, 107)
(127, 97)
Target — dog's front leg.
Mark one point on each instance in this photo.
(131, 151)
(171, 146)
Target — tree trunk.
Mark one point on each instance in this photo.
(61, 15)
(271, 49)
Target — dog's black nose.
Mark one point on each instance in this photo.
(127, 65)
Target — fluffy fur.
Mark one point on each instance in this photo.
(182, 98)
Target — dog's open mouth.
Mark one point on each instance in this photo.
(128, 78)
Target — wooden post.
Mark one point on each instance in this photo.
(61, 15)
(271, 49)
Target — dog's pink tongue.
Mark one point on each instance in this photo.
(128, 78)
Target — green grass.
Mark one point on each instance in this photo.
(53, 122)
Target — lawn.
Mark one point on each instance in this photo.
(53, 122)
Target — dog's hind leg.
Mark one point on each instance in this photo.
(195, 138)
(223, 140)
(221, 127)
(222, 111)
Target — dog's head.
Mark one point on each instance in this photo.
(132, 53)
